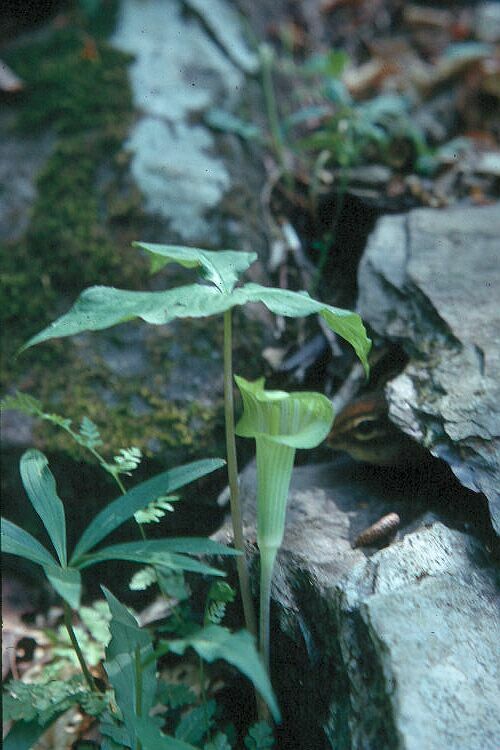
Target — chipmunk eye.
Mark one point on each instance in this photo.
(367, 428)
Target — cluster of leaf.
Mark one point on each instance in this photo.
(65, 575)
(92, 635)
(130, 661)
(351, 132)
(46, 699)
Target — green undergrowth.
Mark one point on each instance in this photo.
(76, 87)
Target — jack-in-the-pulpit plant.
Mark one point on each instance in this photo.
(280, 423)
(100, 307)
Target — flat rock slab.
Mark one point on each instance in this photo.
(379, 649)
(430, 280)
(183, 66)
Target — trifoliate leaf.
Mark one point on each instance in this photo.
(215, 642)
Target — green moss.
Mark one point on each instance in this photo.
(177, 432)
(79, 234)
(85, 98)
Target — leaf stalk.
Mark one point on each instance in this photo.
(68, 616)
(232, 470)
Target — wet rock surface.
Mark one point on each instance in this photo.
(430, 281)
(380, 649)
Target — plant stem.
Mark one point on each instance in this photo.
(232, 470)
(266, 64)
(267, 558)
(72, 636)
(138, 688)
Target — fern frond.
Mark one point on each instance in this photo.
(126, 461)
(143, 579)
(28, 701)
(96, 619)
(219, 596)
(22, 402)
(156, 509)
(89, 434)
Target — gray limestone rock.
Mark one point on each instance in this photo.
(183, 65)
(379, 649)
(430, 280)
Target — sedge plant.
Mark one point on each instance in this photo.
(64, 572)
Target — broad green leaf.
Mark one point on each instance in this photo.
(345, 323)
(124, 507)
(67, 582)
(186, 545)
(149, 552)
(17, 541)
(298, 420)
(223, 267)
(215, 642)
(129, 641)
(101, 307)
(152, 739)
(25, 734)
(40, 486)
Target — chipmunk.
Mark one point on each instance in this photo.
(363, 429)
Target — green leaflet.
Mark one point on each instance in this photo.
(101, 307)
(223, 267)
(155, 552)
(40, 487)
(215, 642)
(18, 542)
(143, 552)
(124, 507)
(127, 641)
(66, 581)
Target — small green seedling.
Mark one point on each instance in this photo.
(280, 423)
